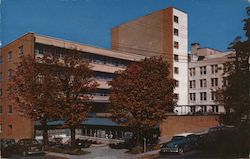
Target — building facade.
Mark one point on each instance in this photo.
(103, 62)
(206, 75)
(161, 33)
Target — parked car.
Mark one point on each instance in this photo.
(181, 143)
(83, 143)
(7, 147)
(28, 146)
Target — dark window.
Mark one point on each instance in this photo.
(1, 109)
(176, 19)
(1, 76)
(10, 109)
(10, 126)
(176, 83)
(176, 32)
(176, 57)
(9, 56)
(20, 50)
(215, 108)
(176, 96)
(176, 44)
(1, 59)
(176, 70)
(10, 74)
(1, 92)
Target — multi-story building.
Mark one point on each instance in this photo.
(206, 75)
(103, 62)
(161, 33)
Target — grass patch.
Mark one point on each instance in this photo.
(67, 150)
(149, 156)
(135, 150)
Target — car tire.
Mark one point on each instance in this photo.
(24, 153)
(181, 150)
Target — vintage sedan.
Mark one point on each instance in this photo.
(180, 143)
(28, 146)
(6, 146)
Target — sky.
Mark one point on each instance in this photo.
(212, 23)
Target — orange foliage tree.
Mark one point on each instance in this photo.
(142, 95)
(34, 90)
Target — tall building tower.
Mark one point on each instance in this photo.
(161, 33)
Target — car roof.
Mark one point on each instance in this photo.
(184, 134)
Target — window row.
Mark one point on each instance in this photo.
(203, 70)
(98, 59)
(10, 54)
(203, 96)
(203, 83)
(10, 74)
(204, 108)
(10, 109)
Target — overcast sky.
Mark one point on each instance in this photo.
(212, 23)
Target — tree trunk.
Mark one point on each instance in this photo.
(73, 136)
(45, 132)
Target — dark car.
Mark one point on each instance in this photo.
(7, 147)
(28, 146)
(180, 143)
(83, 143)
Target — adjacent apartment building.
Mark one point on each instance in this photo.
(161, 33)
(206, 75)
(103, 62)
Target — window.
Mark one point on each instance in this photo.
(192, 96)
(214, 82)
(10, 126)
(176, 44)
(1, 59)
(203, 70)
(225, 81)
(192, 71)
(10, 109)
(203, 96)
(214, 69)
(215, 108)
(176, 19)
(1, 128)
(192, 84)
(1, 109)
(20, 50)
(176, 70)
(1, 92)
(176, 83)
(176, 96)
(203, 83)
(176, 32)
(1, 76)
(204, 108)
(213, 96)
(9, 56)
(176, 57)
(192, 109)
(10, 74)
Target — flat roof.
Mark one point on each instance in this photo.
(86, 48)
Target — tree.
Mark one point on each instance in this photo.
(76, 84)
(235, 96)
(34, 90)
(142, 95)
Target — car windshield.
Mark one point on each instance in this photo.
(29, 142)
(178, 138)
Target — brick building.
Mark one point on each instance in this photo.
(161, 33)
(103, 62)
